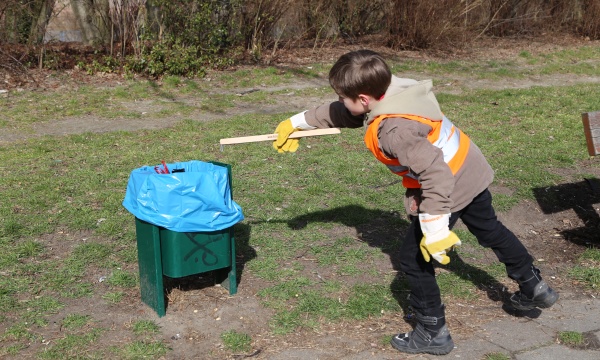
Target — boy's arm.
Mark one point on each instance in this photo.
(331, 115)
(322, 117)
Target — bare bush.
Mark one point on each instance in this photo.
(533, 17)
(590, 19)
(258, 23)
(126, 20)
(414, 24)
(171, 34)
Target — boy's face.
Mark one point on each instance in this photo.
(358, 106)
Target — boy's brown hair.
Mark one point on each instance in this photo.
(360, 72)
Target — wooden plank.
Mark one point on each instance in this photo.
(594, 118)
(272, 137)
(591, 128)
(595, 133)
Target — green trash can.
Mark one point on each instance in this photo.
(162, 252)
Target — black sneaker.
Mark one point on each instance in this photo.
(543, 297)
(421, 341)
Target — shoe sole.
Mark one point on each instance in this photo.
(550, 299)
(432, 351)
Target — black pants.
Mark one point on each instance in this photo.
(481, 220)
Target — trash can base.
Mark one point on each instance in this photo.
(162, 252)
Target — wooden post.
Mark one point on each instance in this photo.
(591, 127)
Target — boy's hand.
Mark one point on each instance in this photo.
(437, 237)
(283, 142)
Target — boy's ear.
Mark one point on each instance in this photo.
(364, 99)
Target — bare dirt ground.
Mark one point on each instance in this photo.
(198, 313)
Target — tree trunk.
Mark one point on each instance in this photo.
(38, 28)
(17, 19)
(93, 18)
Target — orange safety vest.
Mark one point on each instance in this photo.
(444, 135)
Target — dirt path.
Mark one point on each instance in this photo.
(277, 104)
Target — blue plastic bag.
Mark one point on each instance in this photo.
(196, 200)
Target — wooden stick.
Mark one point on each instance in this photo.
(272, 137)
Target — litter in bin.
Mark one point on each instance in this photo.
(164, 170)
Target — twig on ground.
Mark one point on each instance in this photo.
(243, 356)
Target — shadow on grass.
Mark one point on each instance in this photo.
(581, 198)
(385, 230)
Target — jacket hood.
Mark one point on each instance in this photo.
(407, 96)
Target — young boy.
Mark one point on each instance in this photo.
(446, 178)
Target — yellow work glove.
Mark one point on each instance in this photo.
(437, 237)
(283, 142)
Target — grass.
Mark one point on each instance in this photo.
(319, 223)
(587, 275)
(587, 270)
(145, 327)
(236, 341)
(313, 303)
(571, 338)
(496, 356)
(139, 349)
(581, 61)
(75, 321)
(70, 345)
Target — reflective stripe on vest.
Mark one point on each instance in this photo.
(444, 135)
